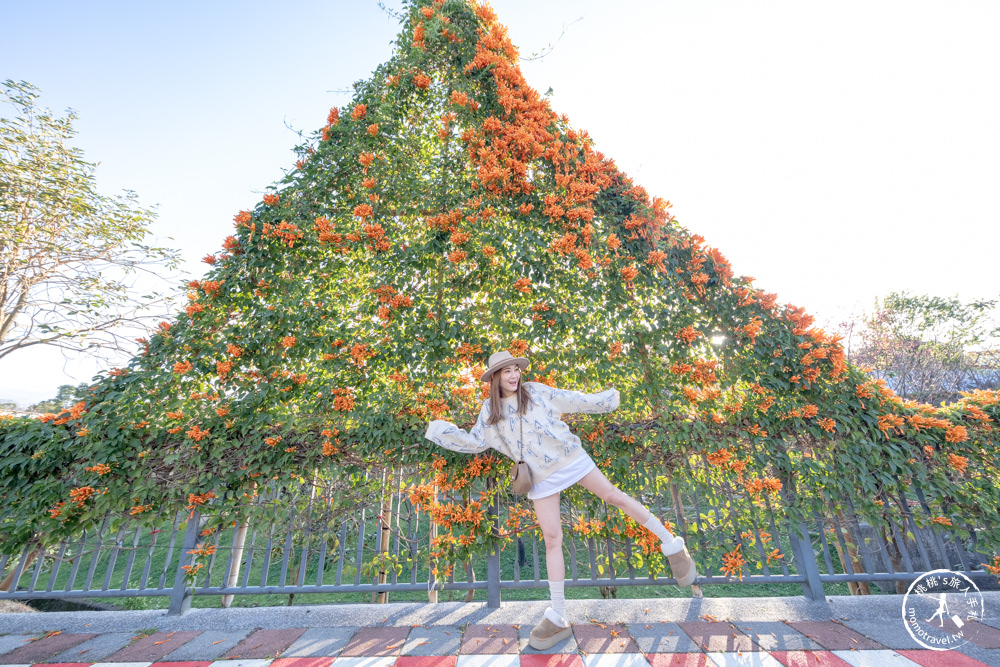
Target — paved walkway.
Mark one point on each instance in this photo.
(628, 633)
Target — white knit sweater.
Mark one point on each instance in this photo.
(549, 445)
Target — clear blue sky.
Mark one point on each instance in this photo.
(835, 151)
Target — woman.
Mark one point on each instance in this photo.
(557, 461)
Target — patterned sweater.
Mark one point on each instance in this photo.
(549, 445)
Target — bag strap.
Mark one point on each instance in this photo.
(521, 419)
(521, 442)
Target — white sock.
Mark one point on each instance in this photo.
(556, 618)
(671, 543)
(557, 592)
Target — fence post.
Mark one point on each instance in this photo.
(180, 597)
(493, 578)
(812, 587)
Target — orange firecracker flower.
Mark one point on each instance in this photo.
(517, 347)
(719, 458)
(360, 353)
(81, 494)
(890, 422)
(956, 434)
(733, 562)
(197, 434)
(995, 566)
(688, 334)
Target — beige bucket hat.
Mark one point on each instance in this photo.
(500, 360)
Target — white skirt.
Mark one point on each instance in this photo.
(562, 479)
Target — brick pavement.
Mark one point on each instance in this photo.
(702, 643)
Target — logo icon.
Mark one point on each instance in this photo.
(937, 607)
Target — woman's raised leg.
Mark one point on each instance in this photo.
(672, 546)
(601, 486)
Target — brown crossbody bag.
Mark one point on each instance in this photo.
(520, 475)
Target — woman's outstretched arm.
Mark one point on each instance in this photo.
(567, 401)
(449, 436)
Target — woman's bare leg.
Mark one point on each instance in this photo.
(600, 486)
(673, 546)
(550, 521)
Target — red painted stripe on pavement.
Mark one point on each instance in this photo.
(809, 659)
(927, 658)
(678, 660)
(551, 660)
(302, 662)
(426, 661)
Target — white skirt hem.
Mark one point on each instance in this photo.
(562, 479)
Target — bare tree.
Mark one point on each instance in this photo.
(70, 256)
(930, 348)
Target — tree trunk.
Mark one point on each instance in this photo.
(385, 518)
(894, 557)
(852, 557)
(9, 579)
(675, 495)
(432, 594)
(234, 572)
(471, 593)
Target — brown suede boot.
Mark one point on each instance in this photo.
(547, 634)
(683, 568)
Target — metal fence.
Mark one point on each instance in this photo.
(310, 545)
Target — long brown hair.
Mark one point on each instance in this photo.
(523, 399)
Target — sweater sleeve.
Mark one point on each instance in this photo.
(449, 436)
(567, 401)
